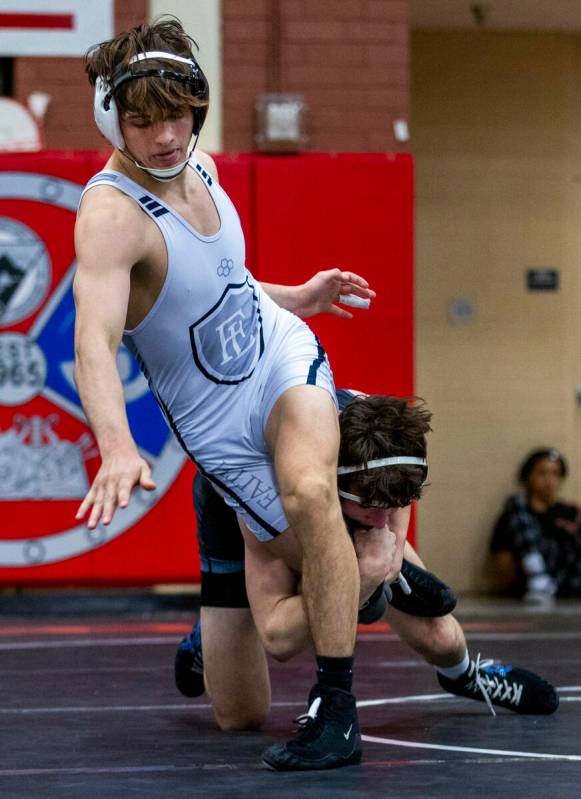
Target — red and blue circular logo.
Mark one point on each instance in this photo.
(48, 456)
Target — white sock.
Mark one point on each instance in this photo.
(453, 672)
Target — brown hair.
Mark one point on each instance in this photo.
(154, 98)
(378, 426)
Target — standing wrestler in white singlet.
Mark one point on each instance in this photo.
(244, 384)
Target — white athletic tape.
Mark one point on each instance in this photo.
(355, 302)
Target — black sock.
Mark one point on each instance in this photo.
(335, 672)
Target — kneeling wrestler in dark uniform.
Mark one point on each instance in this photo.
(382, 470)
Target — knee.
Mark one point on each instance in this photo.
(278, 645)
(435, 638)
(280, 652)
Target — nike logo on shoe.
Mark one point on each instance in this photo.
(348, 733)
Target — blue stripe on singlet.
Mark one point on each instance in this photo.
(312, 375)
(344, 397)
(156, 208)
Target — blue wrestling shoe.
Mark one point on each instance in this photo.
(189, 666)
(511, 687)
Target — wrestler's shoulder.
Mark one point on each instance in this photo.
(107, 205)
(207, 162)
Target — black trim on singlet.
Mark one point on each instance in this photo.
(213, 479)
(312, 375)
(164, 409)
(174, 429)
(344, 397)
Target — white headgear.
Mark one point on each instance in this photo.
(107, 113)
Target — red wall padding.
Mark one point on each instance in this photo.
(300, 214)
(353, 211)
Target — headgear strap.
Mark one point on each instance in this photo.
(399, 460)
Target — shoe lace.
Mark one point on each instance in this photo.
(483, 682)
(309, 722)
(490, 680)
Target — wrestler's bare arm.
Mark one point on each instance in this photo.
(378, 558)
(109, 240)
(275, 596)
(399, 522)
(275, 600)
(320, 294)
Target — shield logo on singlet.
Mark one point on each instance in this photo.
(228, 341)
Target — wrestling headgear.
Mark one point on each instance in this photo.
(107, 113)
(378, 463)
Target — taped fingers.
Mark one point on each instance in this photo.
(354, 301)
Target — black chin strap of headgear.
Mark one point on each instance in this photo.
(196, 80)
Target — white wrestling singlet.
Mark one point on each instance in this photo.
(218, 352)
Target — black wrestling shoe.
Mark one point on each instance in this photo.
(429, 596)
(505, 686)
(189, 666)
(329, 736)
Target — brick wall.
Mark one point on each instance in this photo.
(69, 120)
(350, 59)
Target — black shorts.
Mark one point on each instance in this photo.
(221, 543)
(221, 549)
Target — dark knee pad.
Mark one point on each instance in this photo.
(430, 597)
(224, 590)
(372, 610)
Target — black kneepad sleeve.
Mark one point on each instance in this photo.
(375, 606)
(430, 597)
(227, 590)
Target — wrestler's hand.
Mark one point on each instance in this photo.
(321, 293)
(378, 557)
(118, 476)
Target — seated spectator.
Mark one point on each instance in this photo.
(536, 544)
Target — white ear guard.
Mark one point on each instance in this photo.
(400, 460)
(105, 108)
(107, 120)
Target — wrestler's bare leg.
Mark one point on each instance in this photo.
(440, 641)
(235, 668)
(303, 434)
